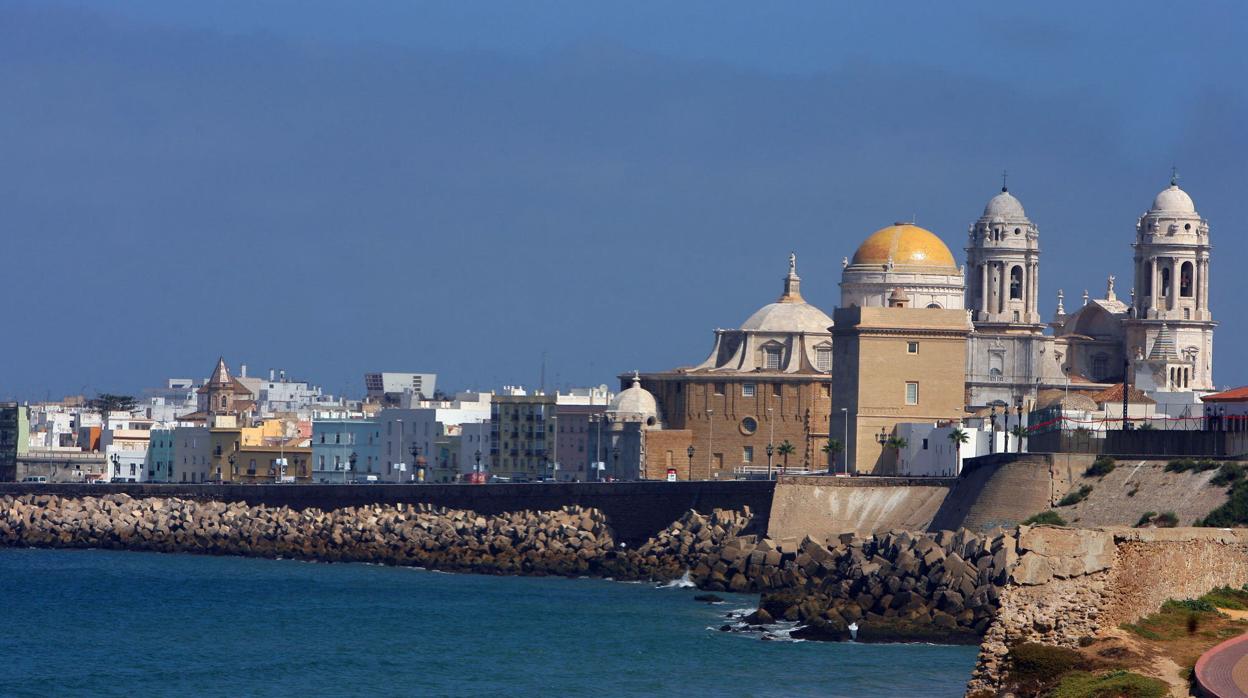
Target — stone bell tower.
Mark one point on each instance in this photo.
(1003, 268)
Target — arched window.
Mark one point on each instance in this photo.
(1165, 282)
(1100, 367)
(1016, 283)
(1185, 280)
(1148, 280)
(223, 402)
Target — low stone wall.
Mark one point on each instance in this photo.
(822, 507)
(1071, 584)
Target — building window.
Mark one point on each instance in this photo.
(924, 444)
(718, 388)
(1185, 280)
(912, 347)
(912, 393)
(1165, 282)
(1016, 283)
(1100, 367)
(747, 390)
(747, 455)
(823, 358)
(826, 389)
(771, 357)
(749, 425)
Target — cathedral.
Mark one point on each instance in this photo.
(771, 381)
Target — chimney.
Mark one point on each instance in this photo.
(242, 371)
(272, 375)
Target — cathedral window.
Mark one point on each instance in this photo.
(823, 358)
(1100, 367)
(1165, 282)
(1016, 283)
(747, 390)
(1185, 280)
(771, 357)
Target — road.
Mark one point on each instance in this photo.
(1223, 671)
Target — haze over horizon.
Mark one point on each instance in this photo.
(457, 188)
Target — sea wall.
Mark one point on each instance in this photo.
(823, 507)
(637, 510)
(1071, 584)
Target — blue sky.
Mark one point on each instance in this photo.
(333, 188)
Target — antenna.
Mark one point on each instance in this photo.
(542, 381)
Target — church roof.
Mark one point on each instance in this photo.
(1239, 394)
(1113, 394)
(1164, 348)
(1172, 199)
(905, 245)
(791, 313)
(1004, 205)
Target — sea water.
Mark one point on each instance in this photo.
(94, 622)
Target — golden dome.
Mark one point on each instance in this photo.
(907, 245)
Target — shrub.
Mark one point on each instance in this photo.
(1226, 597)
(1233, 512)
(1075, 497)
(1145, 519)
(1166, 519)
(1100, 467)
(1115, 684)
(1033, 667)
(1180, 465)
(1049, 517)
(1189, 605)
(1228, 474)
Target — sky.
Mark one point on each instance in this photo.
(465, 188)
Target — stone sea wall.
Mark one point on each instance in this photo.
(1072, 584)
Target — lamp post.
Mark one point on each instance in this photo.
(554, 458)
(1005, 418)
(845, 442)
(615, 453)
(770, 450)
(116, 459)
(992, 430)
(710, 442)
(415, 451)
(476, 468)
(690, 451)
(1018, 413)
(231, 462)
(351, 459)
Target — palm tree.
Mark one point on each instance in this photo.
(785, 449)
(958, 437)
(1019, 432)
(896, 443)
(833, 448)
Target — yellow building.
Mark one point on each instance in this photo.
(894, 363)
(237, 458)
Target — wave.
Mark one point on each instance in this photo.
(685, 582)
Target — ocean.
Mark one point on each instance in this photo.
(95, 622)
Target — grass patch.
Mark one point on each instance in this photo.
(1100, 467)
(1145, 519)
(1184, 465)
(1142, 631)
(1177, 619)
(1033, 667)
(1049, 517)
(1226, 597)
(1233, 513)
(1075, 497)
(1115, 684)
(1228, 474)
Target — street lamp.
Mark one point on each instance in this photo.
(770, 450)
(476, 468)
(351, 460)
(690, 452)
(415, 451)
(845, 442)
(615, 452)
(992, 430)
(231, 461)
(116, 465)
(710, 439)
(554, 458)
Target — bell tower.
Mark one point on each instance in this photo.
(1171, 291)
(1003, 268)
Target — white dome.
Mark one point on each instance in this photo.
(1173, 200)
(788, 316)
(634, 401)
(1005, 205)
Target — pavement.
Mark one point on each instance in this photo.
(1222, 672)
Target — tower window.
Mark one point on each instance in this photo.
(1016, 283)
(1185, 280)
(1165, 282)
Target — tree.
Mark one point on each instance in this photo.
(896, 443)
(108, 402)
(785, 449)
(1019, 433)
(958, 437)
(833, 448)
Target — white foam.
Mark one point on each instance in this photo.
(685, 582)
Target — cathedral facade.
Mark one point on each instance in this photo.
(1159, 339)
